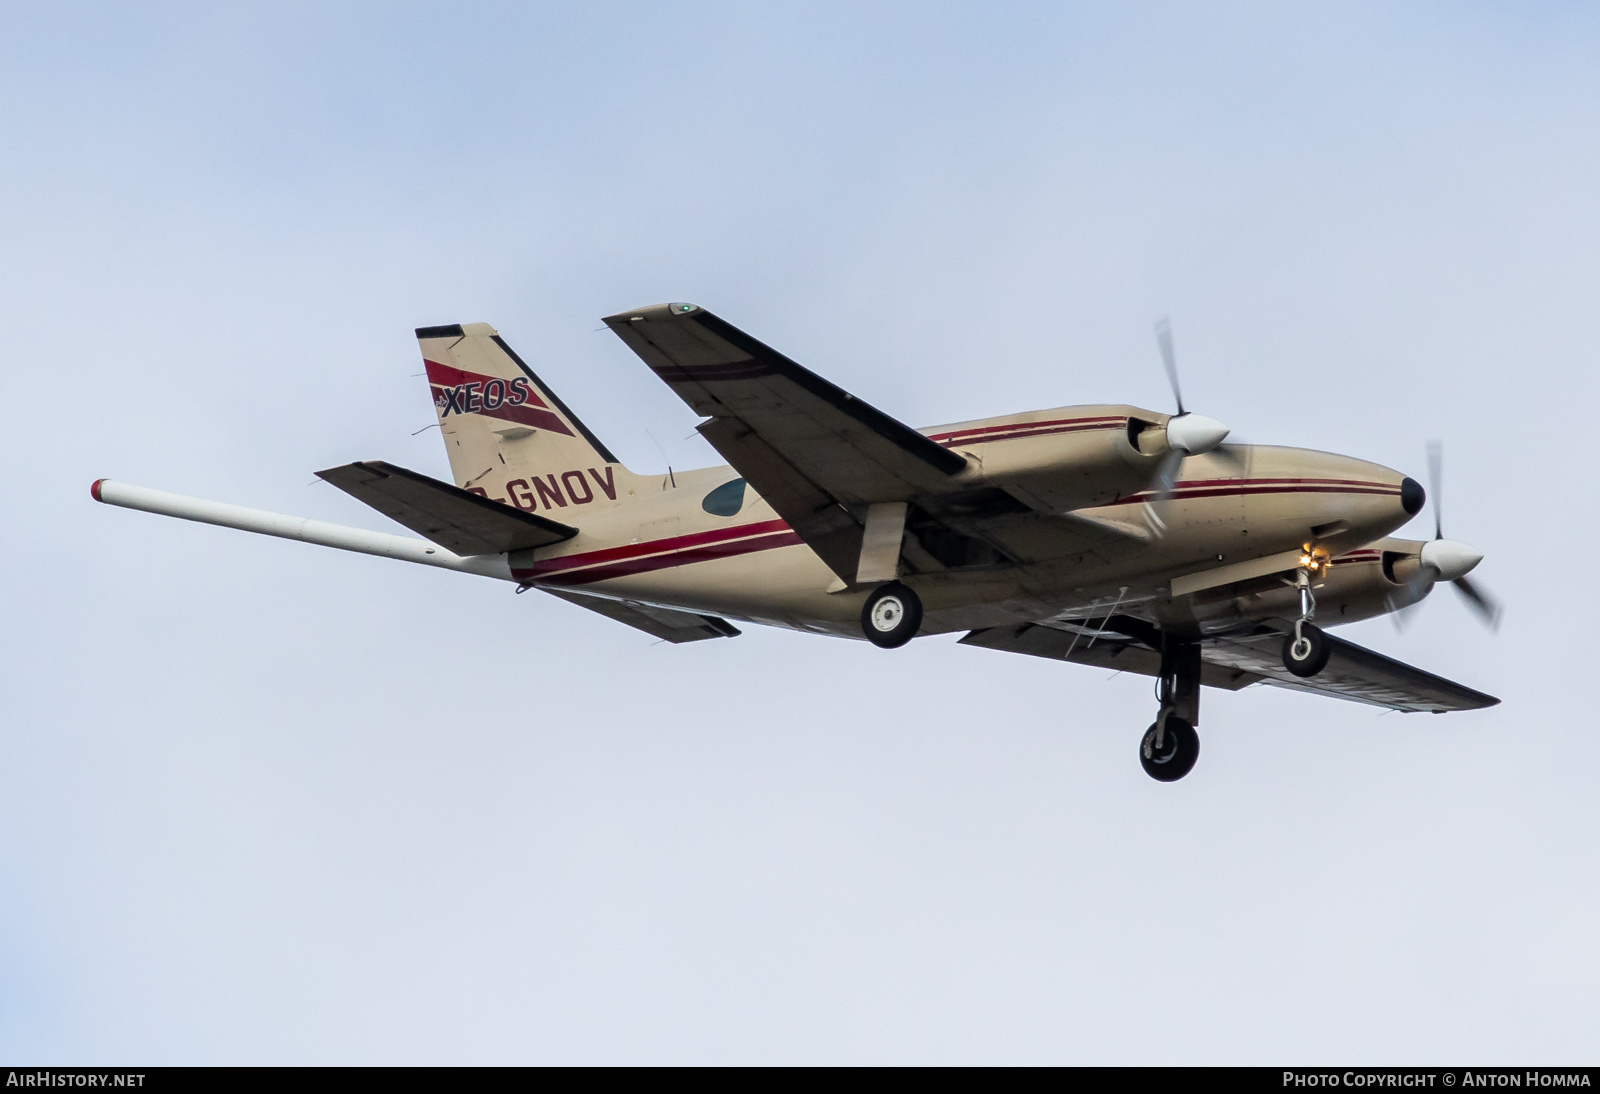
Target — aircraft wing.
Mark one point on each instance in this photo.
(1235, 661)
(1353, 672)
(666, 623)
(455, 519)
(814, 452)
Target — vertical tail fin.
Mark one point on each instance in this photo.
(508, 436)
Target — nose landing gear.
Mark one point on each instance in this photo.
(1306, 649)
(1171, 746)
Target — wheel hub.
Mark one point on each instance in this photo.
(891, 616)
(886, 613)
(1160, 752)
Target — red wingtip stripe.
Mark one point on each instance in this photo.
(94, 489)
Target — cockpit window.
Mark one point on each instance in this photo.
(725, 500)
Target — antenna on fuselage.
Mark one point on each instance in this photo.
(664, 459)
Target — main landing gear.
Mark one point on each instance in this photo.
(891, 615)
(1306, 649)
(1171, 746)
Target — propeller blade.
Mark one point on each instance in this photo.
(1403, 617)
(1485, 606)
(1435, 489)
(1166, 476)
(1169, 359)
(1417, 590)
(1163, 483)
(1444, 557)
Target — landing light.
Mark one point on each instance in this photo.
(1314, 562)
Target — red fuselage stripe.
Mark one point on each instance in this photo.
(658, 554)
(629, 567)
(1245, 488)
(650, 547)
(1275, 482)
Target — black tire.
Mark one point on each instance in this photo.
(891, 616)
(1310, 656)
(1180, 748)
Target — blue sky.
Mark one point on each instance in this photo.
(268, 803)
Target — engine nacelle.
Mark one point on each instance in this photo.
(1370, 581)
(1063, 459)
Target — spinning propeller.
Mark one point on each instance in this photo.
(1188, 434)
(1447, 560)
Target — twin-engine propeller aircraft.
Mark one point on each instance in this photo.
(1104, 535)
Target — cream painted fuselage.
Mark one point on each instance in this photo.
(1064, 524)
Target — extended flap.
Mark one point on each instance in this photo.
(1086, 644)
(669, 624)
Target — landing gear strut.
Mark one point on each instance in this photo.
(1171, 746)
(1306, 649)
(891, 615)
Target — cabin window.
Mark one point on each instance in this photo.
(725, 500)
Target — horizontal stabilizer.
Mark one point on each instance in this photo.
(666, 623)
(455, 519)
